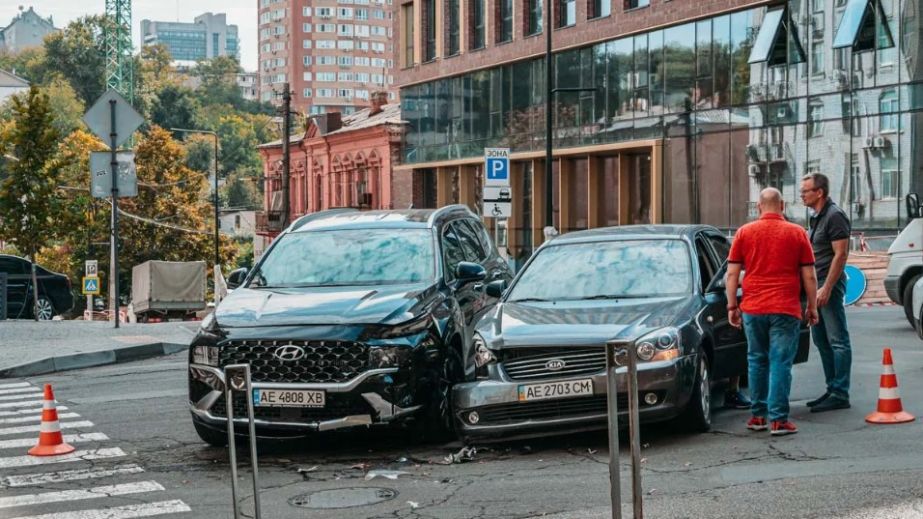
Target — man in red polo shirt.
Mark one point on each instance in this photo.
(779, 263)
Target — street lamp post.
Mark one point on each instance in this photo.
(217, 221)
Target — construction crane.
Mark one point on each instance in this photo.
(118, 48)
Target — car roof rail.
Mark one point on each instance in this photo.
(300, 222)
(462, 209)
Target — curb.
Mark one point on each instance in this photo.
(91, 359)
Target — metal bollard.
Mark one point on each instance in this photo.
(634, 430)
(237, 378)
(615, 491)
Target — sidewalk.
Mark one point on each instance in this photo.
(33, 348)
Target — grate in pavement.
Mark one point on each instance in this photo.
(343, 498)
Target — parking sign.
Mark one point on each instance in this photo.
(497, 166)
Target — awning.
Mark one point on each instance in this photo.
(863, 24)
(777, 42)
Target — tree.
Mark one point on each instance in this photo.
(174, 106)
(27, 195)
(240, 192)
(78, 53)
(200, 152)
(218, 81)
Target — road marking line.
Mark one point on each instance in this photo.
(121, 512)
(31, 403)
(29, 389)
(28, 396)
(67, 475)
(37, 410)
(37, 418)
(69, 438)
(121, 489)
(85, 455)
(38, 428)
(16, 384)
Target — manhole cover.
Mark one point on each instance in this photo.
(343, 497)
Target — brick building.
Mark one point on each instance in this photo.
(333, 53)
(339, 161)
(685, 110)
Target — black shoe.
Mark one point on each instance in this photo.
(816, 401)
(736, 400)
(831, 403)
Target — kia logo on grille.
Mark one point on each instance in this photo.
(289, 353)
(555, 365)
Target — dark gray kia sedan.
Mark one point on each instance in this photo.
(540, 353)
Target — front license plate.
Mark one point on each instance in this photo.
(548, 390)
(288, 398)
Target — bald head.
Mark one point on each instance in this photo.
(771, 201)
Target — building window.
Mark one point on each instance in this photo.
(634, 4)
(476, 24)
(567, 12)
(345, 13)
(429, 30)
(307, 92)
(817, 58)
(505, 21)
(306, 27)
(816, 120)
(362, 14)
(407, 33)
(535, 17)
(599, 8)
(890, 178)
(777, 41)
(452, 27)
(863, 27)
(888, 107)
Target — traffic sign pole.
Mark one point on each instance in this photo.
(114, 228)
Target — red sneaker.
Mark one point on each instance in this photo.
(780, 428)
(757, 423)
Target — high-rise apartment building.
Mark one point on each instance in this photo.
(332, 53)
(209, 36)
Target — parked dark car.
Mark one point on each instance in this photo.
(350, 318)
(54, 290)
(539, 354)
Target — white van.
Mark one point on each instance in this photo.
(905, 266)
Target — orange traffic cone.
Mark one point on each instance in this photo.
(50, 441)
(890, 409)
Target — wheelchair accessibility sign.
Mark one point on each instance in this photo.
(91, 286)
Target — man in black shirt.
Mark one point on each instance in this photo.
(829, 234)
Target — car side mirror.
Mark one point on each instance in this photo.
(467, 273)
(496, 288)
(719, 284)
(237, 277)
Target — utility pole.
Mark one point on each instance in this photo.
(549, 116)
(286, 151)
(118, 48)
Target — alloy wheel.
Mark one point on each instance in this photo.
(45, 309)
(705, 390)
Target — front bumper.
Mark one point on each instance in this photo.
(364, 400)
(500, 413)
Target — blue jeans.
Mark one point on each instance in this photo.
(831, 336)
(772, 342)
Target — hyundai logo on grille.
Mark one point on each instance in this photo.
(289, 353)
(555, 364)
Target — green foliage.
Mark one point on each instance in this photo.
(174, 106)
(244, 253)
(78, 53)
(240, 192)
(28, 205)
(200, 152)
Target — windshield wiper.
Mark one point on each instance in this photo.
(529, 300)
(613, 296)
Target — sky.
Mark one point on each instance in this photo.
(243, 13)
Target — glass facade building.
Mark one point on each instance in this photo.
(687, 123)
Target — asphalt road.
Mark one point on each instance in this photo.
(836, 467)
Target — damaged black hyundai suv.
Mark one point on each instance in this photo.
(350, 319)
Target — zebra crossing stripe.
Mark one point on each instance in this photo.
(15, 384)
(36, 418)
(28, 403)
(68, 438)
(36, 411)
(6, 398)
(67, 475)
(84, 455)
(121, 512)
(38, 428)
(121, 489)
(18, 390)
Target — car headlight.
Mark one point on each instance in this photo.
(207, 355)
(482, 354)
(388, 356)
(662, 344)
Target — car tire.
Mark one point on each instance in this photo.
(45, 309)
(213, 437)
(908, 299)
(439, 422)
(697, 415)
